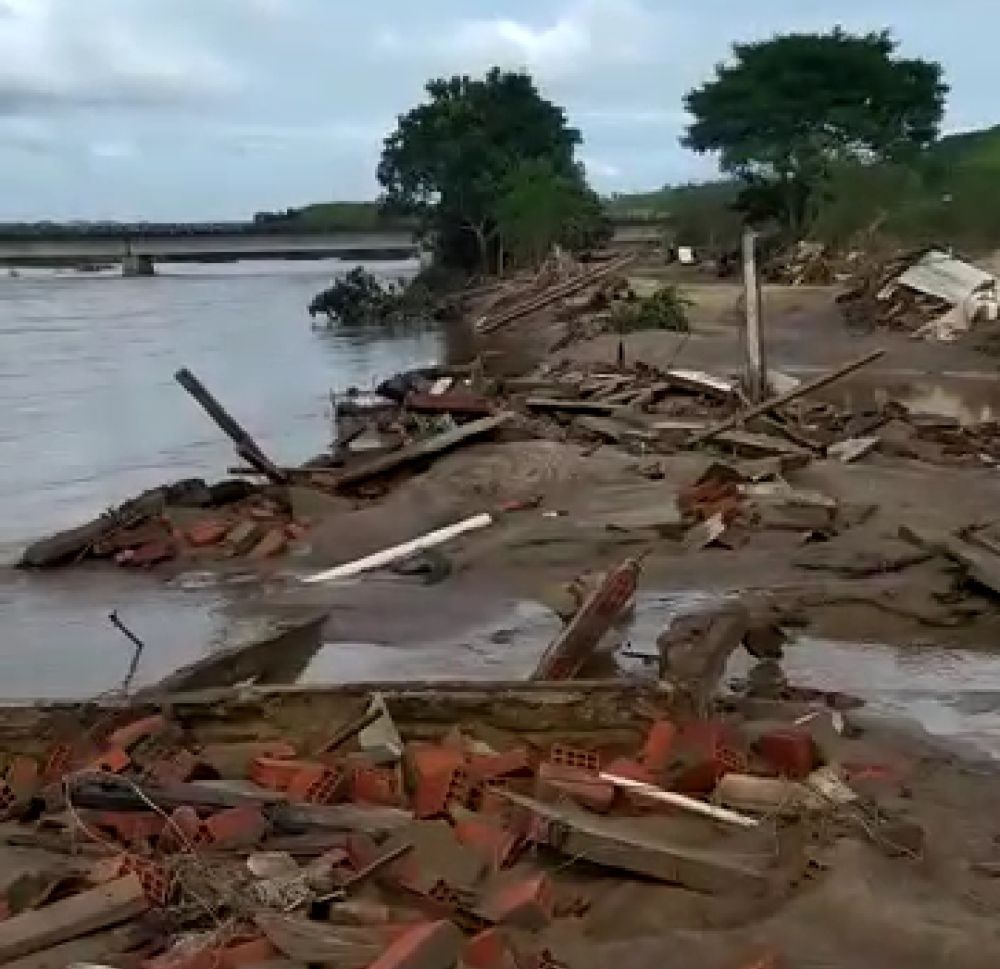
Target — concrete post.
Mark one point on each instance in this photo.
(756, 367)
(138, 266)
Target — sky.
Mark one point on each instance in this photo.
(214, 109)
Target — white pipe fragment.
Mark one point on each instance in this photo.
(681, 801)
(378, 560)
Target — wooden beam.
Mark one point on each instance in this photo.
(89, 911)
(807, 388)
(421, 450)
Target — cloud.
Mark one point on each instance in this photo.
(583, 37)
(60, 54)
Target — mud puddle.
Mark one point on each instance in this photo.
(951, 693)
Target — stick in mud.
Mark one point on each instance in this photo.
(136, 641)
(246, 447)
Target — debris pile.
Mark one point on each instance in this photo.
(423, 841)
(188, 521)
(929, 294)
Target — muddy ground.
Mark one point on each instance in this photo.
(489, 617)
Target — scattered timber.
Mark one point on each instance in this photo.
(89, 911)
(421, 450)
(557, 292)
(786, 398)
(691, 804)
(246, 447)
(982, 566)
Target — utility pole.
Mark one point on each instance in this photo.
(756, 366)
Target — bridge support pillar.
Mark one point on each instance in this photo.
(138, 266)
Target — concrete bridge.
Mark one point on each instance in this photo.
(139, 254)
(138, 248)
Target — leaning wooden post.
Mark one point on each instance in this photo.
(756, 368)
(246, 447)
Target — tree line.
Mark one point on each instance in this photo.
(487, 166)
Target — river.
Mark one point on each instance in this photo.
(91, 414)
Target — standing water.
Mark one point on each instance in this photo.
(91, 415)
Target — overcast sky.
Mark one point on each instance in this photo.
(212, 109)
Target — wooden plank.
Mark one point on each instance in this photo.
(617, 844)
(802, 390)
(557, 292)
(422, 450)
(449, 402)
(700, 382)
(89, 911)
(569, 651)
(756, 375)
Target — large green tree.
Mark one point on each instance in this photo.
(784, 110)
(450, 160)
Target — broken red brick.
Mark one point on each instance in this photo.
(525, 903)
(23, 777)
(429, 945)
(494, 842)
(273, 543)
(556, 781)
(659, 746)
(375, 785)
(112, 761)
(789, 752)
(424, 761)
(565, 756)
(130, 827)
(276, 773)
(239, 827)
(184, 830)
(704, 751)
(318, 784)
(492, 766)
(434, 794)
(208, 532)
(129, 735)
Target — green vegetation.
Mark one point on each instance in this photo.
(666, 309)
(788, 110)
(480, 150)
(360, 297)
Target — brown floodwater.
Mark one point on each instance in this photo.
(90, 415)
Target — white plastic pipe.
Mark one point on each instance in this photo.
(681, 801)
(378, 560)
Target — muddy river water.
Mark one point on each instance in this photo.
(90, 414)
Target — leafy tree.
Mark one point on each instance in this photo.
(449, 158)
(785, 109)
(540, 207)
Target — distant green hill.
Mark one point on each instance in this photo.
(949, 194)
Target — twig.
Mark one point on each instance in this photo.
(136, 641)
